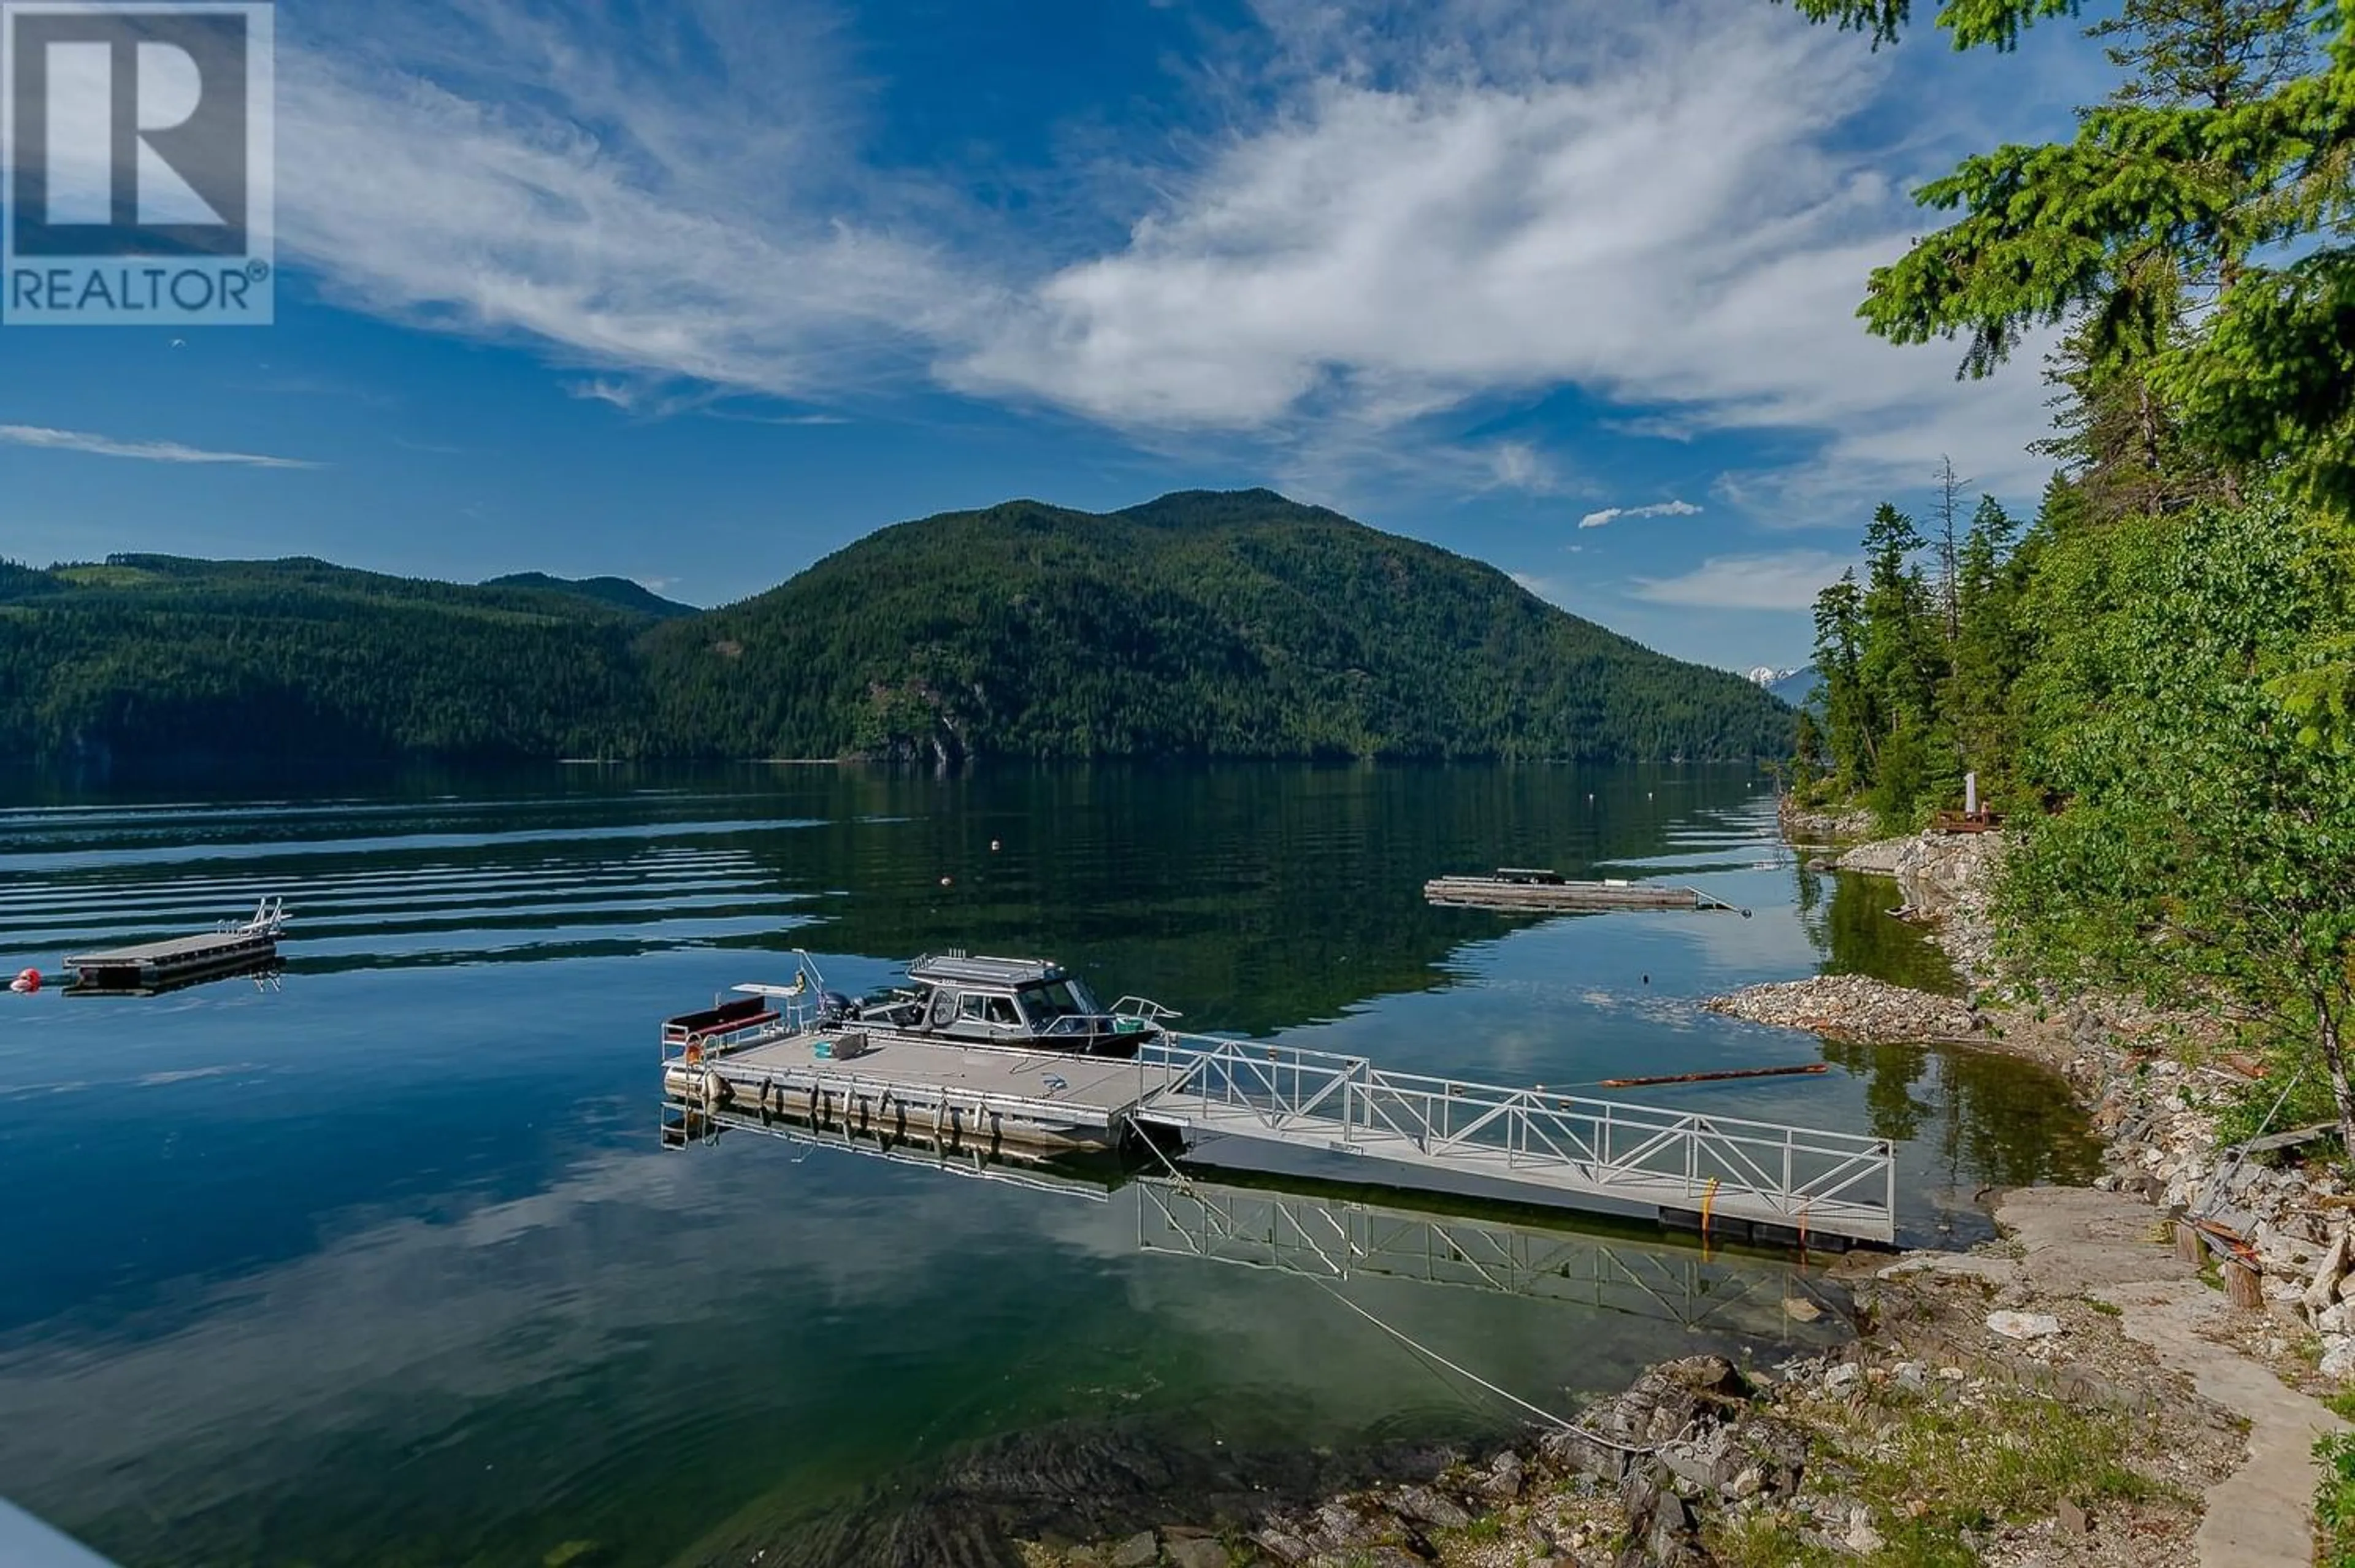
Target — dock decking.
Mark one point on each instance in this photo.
(1744, 1178)
(1044, 1100)
(1546, 892)
(179, 960)
(157, 964)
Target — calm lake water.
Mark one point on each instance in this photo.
(382, 1262)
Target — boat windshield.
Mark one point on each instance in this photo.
(1059, 999)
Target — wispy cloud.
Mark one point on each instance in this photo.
(1783, 579)
(1518, 465)
(144, 450)
(738, 416)
(1379, 227)
(1663, 206)
(682, 208)
(1656, 510)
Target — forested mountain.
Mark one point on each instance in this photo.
(154, 657)
(619, 592)
(1201, 625)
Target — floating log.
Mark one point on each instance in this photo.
(1719, 1076)
(1540, 891)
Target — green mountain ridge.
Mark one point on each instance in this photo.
(1202, 624)
(618, 592)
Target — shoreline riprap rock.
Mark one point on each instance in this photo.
(1885, 1445)
(1824, 825)
(1947, 879)
(1853, 1008)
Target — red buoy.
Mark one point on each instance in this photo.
(26, 983)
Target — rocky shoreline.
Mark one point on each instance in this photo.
(2079, 1393)
(1855, 1008)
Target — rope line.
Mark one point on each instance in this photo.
(1411, 1343)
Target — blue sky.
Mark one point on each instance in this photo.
(696, 292)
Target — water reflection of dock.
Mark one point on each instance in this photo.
(266, 970)
(1337, 1240)
(1336, 1235)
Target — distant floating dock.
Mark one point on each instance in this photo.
(1549, 893)
(177, 961)
(1737, 1179)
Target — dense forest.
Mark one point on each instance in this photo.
(2153, 673)
(1200, 625)
(1236, 624)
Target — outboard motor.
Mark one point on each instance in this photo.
(834, 1007)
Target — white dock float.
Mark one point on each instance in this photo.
(1735, 1178)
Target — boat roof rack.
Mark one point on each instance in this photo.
(958, 967)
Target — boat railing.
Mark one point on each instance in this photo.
(1346, 1104)
(1144, 1007)
(681, 1040)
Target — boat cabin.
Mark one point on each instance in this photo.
(1024, 1002)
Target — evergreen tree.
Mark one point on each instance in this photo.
(1851, 727)
(1990, 648)
(2194, 230)
(1950, 507)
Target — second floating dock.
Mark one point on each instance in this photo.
(180, 960)
(1548, 893)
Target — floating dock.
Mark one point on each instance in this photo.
(1040, 1103)
(151, 967)
(1735, 1179)
(1549, 893)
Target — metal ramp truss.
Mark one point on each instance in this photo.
(1737, 1176)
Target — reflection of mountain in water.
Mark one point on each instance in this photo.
(1255, 897)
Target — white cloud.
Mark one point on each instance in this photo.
(1664, 206)
(497, 172)
(1783, 580)
(1658, 509)
(144, 450)
(1518, 466)
(1656, 204)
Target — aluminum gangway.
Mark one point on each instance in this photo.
(1761, 1180)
